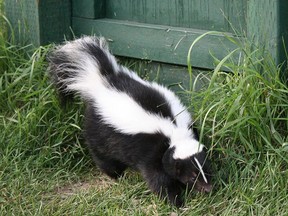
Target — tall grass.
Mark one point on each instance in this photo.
(39, 144)
(243, 115)
(246, 106)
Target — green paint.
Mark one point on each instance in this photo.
(93, 9)
(39, 22)
(268, 25)
(154, 29)
(156, 42)
(198, 14)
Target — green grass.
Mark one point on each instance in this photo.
(243, 114)
(45, 168)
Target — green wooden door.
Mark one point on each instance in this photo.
(164, 30)
(39, 22)
(199, 14)
(160, 30)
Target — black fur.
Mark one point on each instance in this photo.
(149, 153)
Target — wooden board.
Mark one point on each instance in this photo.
(268, 26)
(154, 29)
(39, 22)
(263, 22)
(196, 14)
(157, 42)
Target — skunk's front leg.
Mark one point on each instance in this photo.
(163, 185)
(110, 167)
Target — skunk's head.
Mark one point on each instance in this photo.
(191, 170)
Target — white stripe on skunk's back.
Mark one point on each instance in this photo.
(179, 111)
(121, 112)
(125, 115)
(118, 109)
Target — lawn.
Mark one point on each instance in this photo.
(45, 168)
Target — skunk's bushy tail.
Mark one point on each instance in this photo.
(82, 66)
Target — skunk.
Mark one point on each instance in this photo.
(130, 122)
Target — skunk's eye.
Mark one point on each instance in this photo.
(178, 171)
(193, 179)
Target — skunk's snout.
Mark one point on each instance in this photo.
(200, 186)
(203, 187)
(207, 188)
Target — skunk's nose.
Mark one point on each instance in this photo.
(207, 188)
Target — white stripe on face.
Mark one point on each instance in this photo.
(201, 170)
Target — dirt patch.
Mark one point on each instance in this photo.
(98, 183)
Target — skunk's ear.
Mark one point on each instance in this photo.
(169, 163)
(177, 168)
(168, 156)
